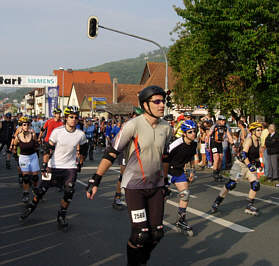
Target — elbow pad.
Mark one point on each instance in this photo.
(108, 156)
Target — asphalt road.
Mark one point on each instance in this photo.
(98, 233)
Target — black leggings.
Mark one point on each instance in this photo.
(145, 201)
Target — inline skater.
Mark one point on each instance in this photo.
(28, 160)
(66, 143)
(89, 130)
(7, 129)
(245, 166)
(146, 138)
(217, 134)
(182, 151)
(178, 133)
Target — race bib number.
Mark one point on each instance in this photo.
(22, 164)
(214, 150)
(47, 177)
(138, 216)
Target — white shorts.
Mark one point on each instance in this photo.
(202, 148)
(29, 163)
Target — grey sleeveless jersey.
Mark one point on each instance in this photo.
(145, 148)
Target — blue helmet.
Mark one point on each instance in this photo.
(187, 125)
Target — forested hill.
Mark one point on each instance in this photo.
(14, 94)
(129, 71)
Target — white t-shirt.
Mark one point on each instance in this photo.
(66, 142)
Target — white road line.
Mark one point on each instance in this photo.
(96, 167)
(30, 254)
(35, 225)
(225, 223)
(26, 240)
(101, 262)
(12, 205)
(240, 194)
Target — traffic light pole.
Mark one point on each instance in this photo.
(144, 39)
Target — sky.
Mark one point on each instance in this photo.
(38, 36)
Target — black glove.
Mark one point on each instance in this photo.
(79, 165)
(94, 181)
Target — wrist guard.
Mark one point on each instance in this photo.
(44, 167)
(252, 167)
(94, 181)
(79, 165)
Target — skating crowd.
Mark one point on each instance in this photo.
(153, 152)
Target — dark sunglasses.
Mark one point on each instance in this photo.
(73, 117)
(259, 130)
(158, 101)
(191, 132)
(25, 124)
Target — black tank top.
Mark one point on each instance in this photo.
(27, 148)
(254, 152)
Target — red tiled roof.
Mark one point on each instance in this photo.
(157, 75)
(73, 76)
(127, 93)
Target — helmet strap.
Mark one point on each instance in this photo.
(150, 113)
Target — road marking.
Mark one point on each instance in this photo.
(30, 254)
(220, 221)
(96, 167)
(35, 225)
(101, 262)
(26, 240)
(225, 223)
(240, 194)
(12, 205)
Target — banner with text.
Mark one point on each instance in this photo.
(26, 81)
(52, 99)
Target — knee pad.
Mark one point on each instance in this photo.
(40, 192)
(157, 233)
(184, 195)
(35, 178)
(230, 185)
(69, 192)
(26, 179)
(255, 185)
(120, 178)
(139, 236)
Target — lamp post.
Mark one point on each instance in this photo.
(62, 68)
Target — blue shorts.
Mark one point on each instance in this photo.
(29, 163)
(178, 179)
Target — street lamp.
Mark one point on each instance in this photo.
(62, 68)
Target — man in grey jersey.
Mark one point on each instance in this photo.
(146, 138)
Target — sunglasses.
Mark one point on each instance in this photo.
(158, 101)
(259, 130)
(191, 132)
(73, 117)
(25, 124)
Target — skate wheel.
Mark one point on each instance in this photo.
(190, 233)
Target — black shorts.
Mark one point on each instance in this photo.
(61, 177)
(216, 147)
(145, 207)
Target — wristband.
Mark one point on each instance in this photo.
(94, 181)
(44, 167)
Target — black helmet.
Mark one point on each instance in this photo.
(148, 92)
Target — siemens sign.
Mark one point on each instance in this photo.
(26, 81)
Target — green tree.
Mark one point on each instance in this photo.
(227, 55)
